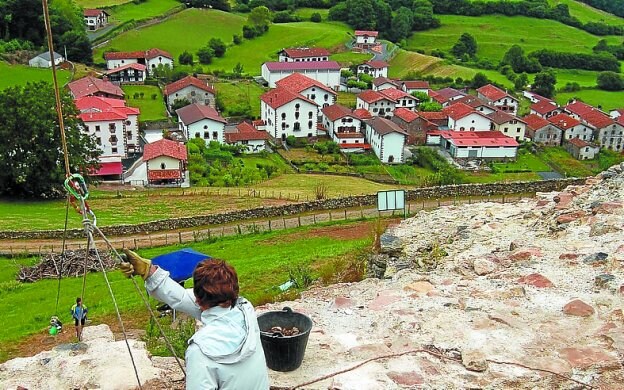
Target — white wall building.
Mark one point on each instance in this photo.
(464, 118)
(310, 88)
(287, 113)
(344, 127)
(192, 89)
(508, 124)
(43, 60)
(199, 121)
(492, 145)
(303, 54)
(387, 140)
(326, 72)
(374, 68)
(376, 103)
(252, 139)
(501, 99)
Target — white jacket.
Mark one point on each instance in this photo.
(226, 353)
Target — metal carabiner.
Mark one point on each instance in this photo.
(76, 186)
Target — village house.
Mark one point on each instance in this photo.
(303, 54)
(325, 72)
(165, 161)
(287, 113)
(581, 150)
(42, 60)
(192, 89)
(344, 127)
(151, 58)
(540, 130)
(91, 86)
(487, 145)
(501, 99)
(380, 83)
(374, 68)
(200, 121)
(438, 118)
(365, 40)
(508, 124)
(387, 140)
(411, 86)
(251, 139)
(312, 89)
(576, 109)
(376, 103)
(546, 109)
(477, 104)
(402, 99)
(571, 127)
(445, 96)
(415, 125)
(115, 129)
(130, 73)
(607, 132)
(464, 118)
(616, 113)
(95, 18)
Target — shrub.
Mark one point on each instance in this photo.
(237, 39)
(316, 17)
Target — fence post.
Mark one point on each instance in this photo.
(314, 218)
(135, 244)
(269, 225)
(409, 208)
(222, 231)
(361, 212)
(180, 237)
(438, 202)
(423, 204)
(345, 214)
(284, 221)
(299, 220)
(166, 239)
(503, 198)
(209, 235)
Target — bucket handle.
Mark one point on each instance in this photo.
(287, 310)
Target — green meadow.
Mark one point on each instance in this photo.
(142, 11)
(586, 13)
(596, 97)
(21, 74)
(152, 108)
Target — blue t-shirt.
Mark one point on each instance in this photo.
(79, 312)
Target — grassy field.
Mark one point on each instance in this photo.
(191, 29)
(564, 162)
(495, 34)
(19, 75)
(142, 11)
(596, 97)
(152, 109)
(347, 99)
(526, 161)
(348, 58)
(485, 177)
(306, 13)
(304, 185)
(585, 13)
(241, 92)
(100, 3)
(28, 307)
(585, 78)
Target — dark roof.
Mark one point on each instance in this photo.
(377, 64)
(500, 117)
(336, 111)
(303, 65)
(301, 52)
(244, 131)
(383, 126)
(89, 85)
(196, 112)
(46, 55)
(185, 82)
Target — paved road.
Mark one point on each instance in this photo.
(14, 247)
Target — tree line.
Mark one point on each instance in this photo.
(615, 7)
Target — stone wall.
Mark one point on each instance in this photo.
(461, 190)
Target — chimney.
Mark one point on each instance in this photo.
(105, 78)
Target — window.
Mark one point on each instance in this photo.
(283, 125)
(297, 106)
(215, 135)
(192, 93)
(128, 123)
(206, 134)
(113, 150)
(205, 127)
(472, 129)
(313, 96)
(505, 130)
(310, 115)
(297, 115)
(113, 139)
(462, 128)
(163, 166)
(310, 125)
(297, 126)
(326, 97)
(112, 127)
(97, 128)
(283, 115)
(98, 141)
(375, 110)
(129, 135)
(197, 135)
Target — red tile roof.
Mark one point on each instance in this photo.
(96, 109)
(416, 84)
(473, 102)
(579, 108)
(349, 135)
(376, 64)
(298, 83)
(458, 111)
(245, 132)
(303, 65)
(367, 33)
(383, 126)
(479, 138)
(500, 117)
(597, 119)
(123, 55)
(578, 142)
(433, 115)
(620, 120)
(354, 146)
(492, 92)
(302, 52)
(135, 66)
(383, 80)
(155, 52)
(563, 121)
(196, 112)
(278, 97)
(396, 94)
(543, 107)
(535, 122)
(90, 86)
(405, 114)
(164, 147)
(362, 113)
(370, 96)
(336, 111)
(93, 12)
(185, 82)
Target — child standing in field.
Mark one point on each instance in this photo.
(79, 313)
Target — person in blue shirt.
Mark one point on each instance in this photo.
(79, 313)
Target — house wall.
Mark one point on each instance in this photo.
(579, 131)
(415, 130)
(170, 163)
(329, 77)
(252, 146)
(406, 102)
(549, 114)
(281, 122)
(285, 58)
(507, 105)
(153, 63)
(483, 152)
(412, 90)
(515, 130)
(549, 136)
(319, 96)
(471, 122)
(112, 64)
(127, 76)
(363, 39)
(132, 134)
(374, 108)
(207, 129)
(387, 146)
(585, 153)
(194, 95)
(102, 133)
(341, 124)
(39, 62)
(612, 137)
(383, 72)
(383, 86)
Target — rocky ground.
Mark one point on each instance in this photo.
(524, 295)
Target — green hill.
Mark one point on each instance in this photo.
(21, 74)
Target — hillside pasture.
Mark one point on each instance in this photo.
(100, 3)
(596, 97)
(235, 93)
(20, 74)
(586, 13)
(151, 109)
(141, 11)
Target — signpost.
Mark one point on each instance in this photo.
(391, 200)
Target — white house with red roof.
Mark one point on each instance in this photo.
(375, 68)
(582, 150)
(325, 72)
(540, 130)
(344, 127)
(489, 145)
(112, 124)
(303, 54)
(312, 89)
(165, 161)
(476, 103)
(387, 139)
(608, 133)
(365, 40)
(415, 125)
(618, 112)
(376, 103)
(95, 18)
(546, 108)
(446, 95)
(130, 73)
(91, 86)
(380, 83)
(501, 99)
(402, 99)
(200, 121)
(577, 109)
(192, 89)
(508, 124)
(151, 58)
(251, 139)
(572, 128)
(462, 117)
(287, 113)
(411, 86)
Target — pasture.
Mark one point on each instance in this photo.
(100, 3)
(586, 13)
(142, 11)
(237, 93)
(596, 97)
(21, 74)
(152, 107)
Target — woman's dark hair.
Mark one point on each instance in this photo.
(78, 300)
(215, 283)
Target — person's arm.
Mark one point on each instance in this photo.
(160, 286)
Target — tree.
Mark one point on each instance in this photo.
(237, 39)
(610, 81)
(238, 70)
(466, 44)
(259, 17)
(33, 161)
(519, 62)
(479, 80)
(430, 106)
(521, 81)
(544, 84)
(423, 97)
(316, 17)
(179, 103)
(77, 45)
(205, 55)
(401, 25)
(185, 58)
(217, 46)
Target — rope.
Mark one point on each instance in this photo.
(58, 288)
(439, 355)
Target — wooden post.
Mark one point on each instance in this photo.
(209, 235)
(361, 212)
(150, 238)
(135, 244)
(299, 220)
(166, 239)
(314, 218)
(438, 202)
(503, 198)
(180, 237)
(222, 231)
(345, 214)
(423, 204)
(409, 208)
(269, 225)
(330, 217)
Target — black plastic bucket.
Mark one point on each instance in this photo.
(284, 353)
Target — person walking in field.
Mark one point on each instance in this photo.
(226, 353)
(79, 313)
